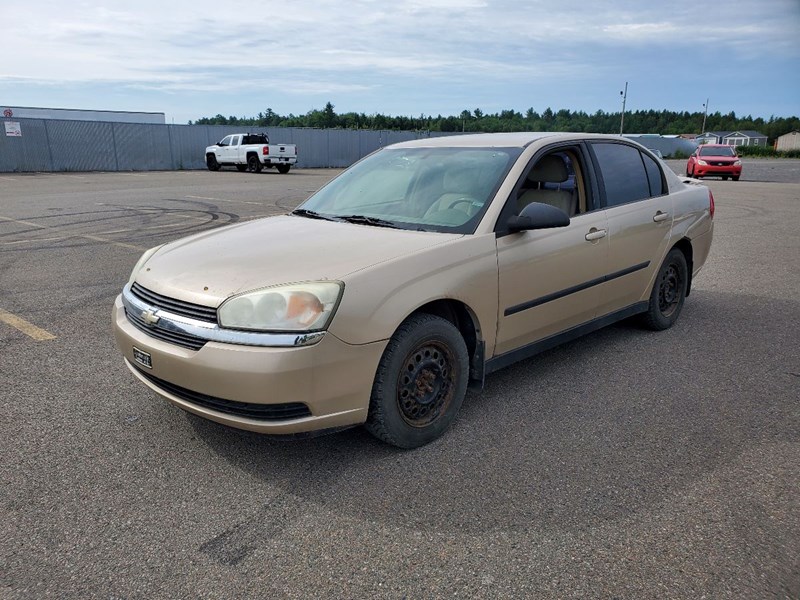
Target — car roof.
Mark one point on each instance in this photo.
(500, 140)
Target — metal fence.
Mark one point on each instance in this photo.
(55, 145)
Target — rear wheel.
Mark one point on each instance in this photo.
(253, 164)
(283, 169)
(241, 168)
(736, 177)
(669, 292)
(211, 162)
(420, 382)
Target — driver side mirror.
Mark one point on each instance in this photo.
(538, 216)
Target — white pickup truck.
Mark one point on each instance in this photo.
(250, 151)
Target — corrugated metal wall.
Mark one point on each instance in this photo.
(52, 145)
(55, 145)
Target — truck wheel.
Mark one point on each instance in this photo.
(211, 162)
(283, 169)
(254, 164)
(241, 168)
(420, 383)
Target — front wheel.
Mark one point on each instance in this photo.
(211, 163)
(669, 292)
(283, 169)
(420, 382)
(253, 164)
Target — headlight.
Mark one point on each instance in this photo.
(737, 163)
(296, 307)
(702, 162)
(140, 263)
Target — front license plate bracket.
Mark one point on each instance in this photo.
(143, 358)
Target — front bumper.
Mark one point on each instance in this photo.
(731, 170)
(332, 378)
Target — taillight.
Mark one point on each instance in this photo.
(711, 203)
(265, 150)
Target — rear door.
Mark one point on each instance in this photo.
(640, 214)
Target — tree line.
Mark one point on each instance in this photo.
(639, 121)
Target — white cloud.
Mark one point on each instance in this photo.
(364, 46)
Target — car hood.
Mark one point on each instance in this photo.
(209, 267)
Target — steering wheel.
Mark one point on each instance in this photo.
(460, 201)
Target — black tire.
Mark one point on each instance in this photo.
(283, 169)
(736, 177)
(211, 162)
(420, 383)
(253, 164)
(724, 178)
(669, 292)
(241, 168)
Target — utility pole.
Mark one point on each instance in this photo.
(705, 114)
(624, 98)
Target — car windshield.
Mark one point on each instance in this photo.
(430, 189)
(717, 151)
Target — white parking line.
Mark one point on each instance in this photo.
(224, 200)
(78, 235)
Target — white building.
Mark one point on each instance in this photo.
(788, 141)
(75, 114)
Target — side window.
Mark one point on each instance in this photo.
(226, 141)
(624, 176)
(653, 176)
(556, 179)
(235, 140)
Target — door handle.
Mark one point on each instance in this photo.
(595, 234)
(660, 216)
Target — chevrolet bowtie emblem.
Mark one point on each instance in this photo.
(150, 318)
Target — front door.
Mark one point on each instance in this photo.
(549, 280)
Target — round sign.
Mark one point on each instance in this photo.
(8, 113)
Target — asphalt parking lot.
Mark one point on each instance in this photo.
(626, 464)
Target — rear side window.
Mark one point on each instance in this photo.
(653, 176)
(624, 176)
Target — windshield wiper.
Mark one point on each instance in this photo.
(304, 212)
(365, 220)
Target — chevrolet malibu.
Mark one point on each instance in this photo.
(419, 270)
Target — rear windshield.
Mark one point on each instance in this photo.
(256, 139)
(717, 151)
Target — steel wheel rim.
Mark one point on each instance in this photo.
(426, 384)
(669, 290)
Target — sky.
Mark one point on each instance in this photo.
(191, 59)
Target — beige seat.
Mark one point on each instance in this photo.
(459, 187)
(550, 169)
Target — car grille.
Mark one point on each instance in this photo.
(178, 307)
(722, 164)
(173, 337)
(260, 412)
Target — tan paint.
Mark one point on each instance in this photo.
(388, 274)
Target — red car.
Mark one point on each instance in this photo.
(714, 159)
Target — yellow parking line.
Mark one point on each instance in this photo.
(28, 329)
